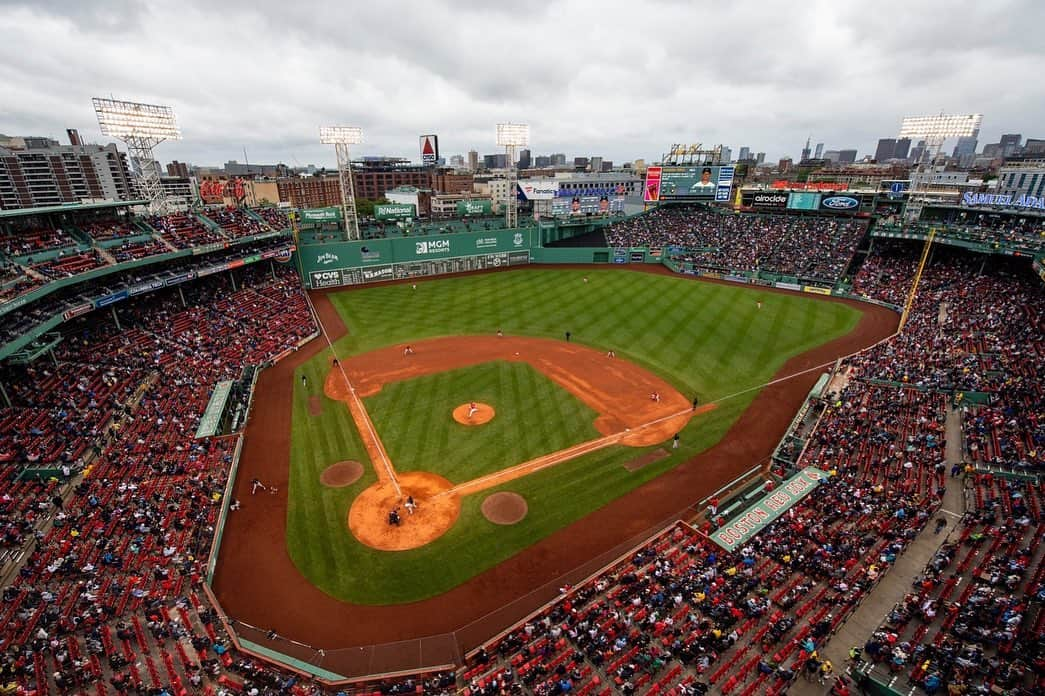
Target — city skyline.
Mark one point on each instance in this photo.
(263, 83)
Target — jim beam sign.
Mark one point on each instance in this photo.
(429, 150)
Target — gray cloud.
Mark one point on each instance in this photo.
(620, 79)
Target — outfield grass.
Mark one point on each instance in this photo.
(535, 416)
(706, 339)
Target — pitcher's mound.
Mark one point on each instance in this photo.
(483, 414)
(504, 508)
(341, 474)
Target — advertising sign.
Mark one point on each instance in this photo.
(737, 531)
(1004, 201)
(840, 204)
(725, 183)
(77, 311)
(429, 150)
(324, 279)
(477, 207)
(773, 200)
(539, 189)
(586, 205)
(432, 247)
(651, 191)
(370, 275)
(174, 280)
(319, 215)
(696, 182)
(143, 288)
(395, 211)
(803, 200)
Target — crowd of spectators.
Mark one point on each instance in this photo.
(1027, 233)
(22, 320)
(67, 265)
(108, 598)
(275, 218)
(973, 621)
(25, 241)
(237, 222)
(108, 229)
(812, 248)
(185, 230)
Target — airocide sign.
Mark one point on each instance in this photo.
(773, 200)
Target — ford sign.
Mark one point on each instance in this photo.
(840, 202)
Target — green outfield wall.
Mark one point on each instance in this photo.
(373, 260)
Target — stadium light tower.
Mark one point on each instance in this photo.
(934, 130)
(512, 136)
(341, 137)
(142, 127)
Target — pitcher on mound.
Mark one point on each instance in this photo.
(473, 408)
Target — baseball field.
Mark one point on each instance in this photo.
(566, 462)
(706, 340)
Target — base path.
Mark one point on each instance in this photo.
(618, 390)
(256, 582)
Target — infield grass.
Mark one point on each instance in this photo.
(707, 339)
(534, 416)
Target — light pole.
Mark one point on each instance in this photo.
(142, 127)
(512, 136)
(341, 137)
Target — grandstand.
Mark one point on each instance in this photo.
(812, 249)
(109, 502)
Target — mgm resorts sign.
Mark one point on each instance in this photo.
(1004, 201)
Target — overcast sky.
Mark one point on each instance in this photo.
(618, 79)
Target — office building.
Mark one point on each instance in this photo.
(846, 156)
(965, 151)
(542, 161)
(818, 153)
(886, 149)
(524, 159)
(745, 153)
(177, 168)
(903, 149)
(760, 158)
(1010, 144)
(497, 161)
(1034, 146)
(918, 151)
(1024, 176)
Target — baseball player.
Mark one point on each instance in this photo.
(473, 409)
